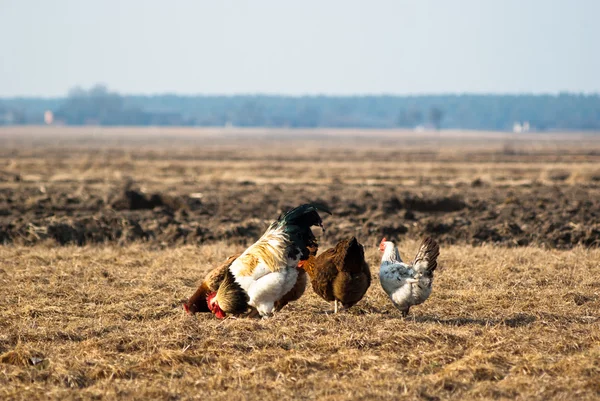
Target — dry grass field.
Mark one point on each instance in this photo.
(103, 232)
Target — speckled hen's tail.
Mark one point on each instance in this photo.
(426, 259)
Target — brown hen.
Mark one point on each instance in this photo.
(212, 281)
(340, 274)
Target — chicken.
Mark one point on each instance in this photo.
(340, 274)
(197, 302)
(298, 289)
(408, 284)
(268, 270)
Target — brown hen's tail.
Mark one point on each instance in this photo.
(351, 254)
(426, 259)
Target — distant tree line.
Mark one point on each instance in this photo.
(99, 106)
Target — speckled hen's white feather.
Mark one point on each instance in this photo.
(404, 283)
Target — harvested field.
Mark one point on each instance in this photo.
(105, 231)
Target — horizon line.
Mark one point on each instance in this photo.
(314, 95)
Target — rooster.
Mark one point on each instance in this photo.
(198, 303)
(408, 284)
(268, 270)
(340, 274)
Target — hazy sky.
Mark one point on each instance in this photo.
(300, 47)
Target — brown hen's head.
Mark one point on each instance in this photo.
(193, 307)
(214, 307)
(197, 302)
